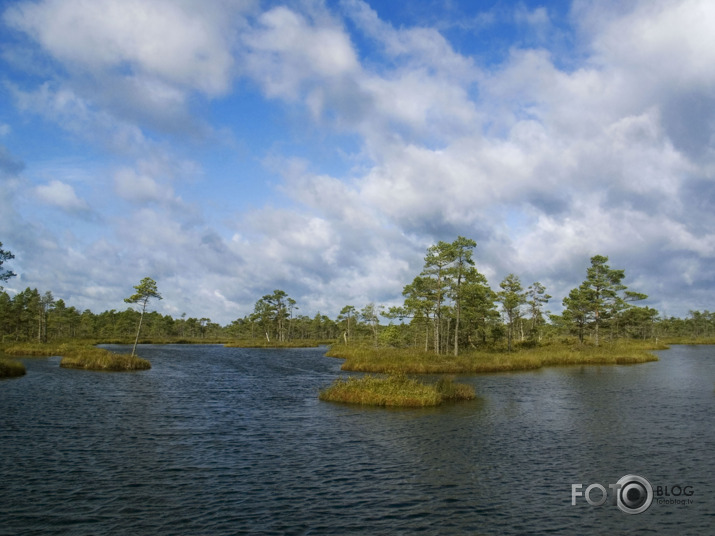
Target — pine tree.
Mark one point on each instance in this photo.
(145, 290)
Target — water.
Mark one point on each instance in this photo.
(215, 440)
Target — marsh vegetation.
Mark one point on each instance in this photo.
(395, 360)
(395, 390)
(83, 356)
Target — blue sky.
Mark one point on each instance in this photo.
(230, 148)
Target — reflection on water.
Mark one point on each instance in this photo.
(215, 440)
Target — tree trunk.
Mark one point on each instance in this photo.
(139, 328)
(596, 331)
(456, 332)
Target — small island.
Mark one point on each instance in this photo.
(411, 361)
(395, 390)
(11, 369)
(451, 321)
(80, 356)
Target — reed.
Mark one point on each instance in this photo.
(391, 360)
(396, 390)
(10, 368)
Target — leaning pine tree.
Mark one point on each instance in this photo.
(145, 290)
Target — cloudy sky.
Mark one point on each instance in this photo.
(233, 147)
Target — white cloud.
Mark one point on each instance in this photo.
(178, 43)
(661, 42)
(61, 195)
(544, 165)
(286, 50)
(140, 188)
(75, 114)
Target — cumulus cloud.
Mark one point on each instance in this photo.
(545, 157)
(140, 60)
(286, 48)
(61, 195)
(168, 42)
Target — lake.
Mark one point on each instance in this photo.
(221, 441)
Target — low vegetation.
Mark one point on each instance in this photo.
(690, 340)
(107, 362)
(396, 390)
(10, 368)
(82, 356)
(263, 343)
(393, 360)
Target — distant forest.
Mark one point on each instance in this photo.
(448, 307)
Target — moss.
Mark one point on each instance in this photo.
(395, 390)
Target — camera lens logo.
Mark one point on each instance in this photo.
(634, 495)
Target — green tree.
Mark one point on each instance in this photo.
(512, 298)
(600, 298)
(442, 292)
(577, 310)
(603, 287)
(437, 278)
(145, 290)
(370, 315)
(347, 318)
(478, 309)
(4, 273)
(419, 304)
(639, 322)
(461, 253)
(272, 311)
(536, 298)
(6, 315)
(45, 305)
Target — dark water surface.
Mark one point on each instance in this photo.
(217, 440)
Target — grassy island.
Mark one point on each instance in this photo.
(395, 390)
(81, 356)
(410, 361)
(11, 369)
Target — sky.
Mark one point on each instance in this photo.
(233, 147)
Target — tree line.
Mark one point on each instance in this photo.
(448, 307)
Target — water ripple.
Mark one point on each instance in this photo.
(232, 441)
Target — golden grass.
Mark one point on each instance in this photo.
(689, 340)
(81, 356)
(396, 390)
(109, 362)
(262, 343)
(388, 360)
(11, 369)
